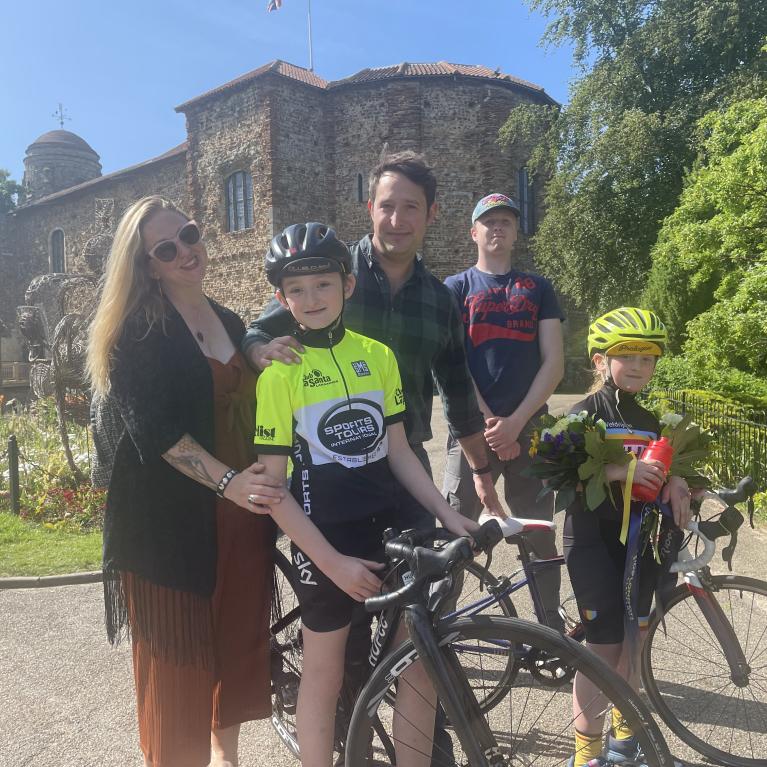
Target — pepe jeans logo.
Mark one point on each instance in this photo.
(352, 428)
(361, 368)
(316, 378)
(263, 433)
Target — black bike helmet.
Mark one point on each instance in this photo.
(311, 248)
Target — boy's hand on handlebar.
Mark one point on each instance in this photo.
(677, 494)
(459, 525)
(356, 576)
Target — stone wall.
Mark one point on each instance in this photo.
(226, 134)
(307, 148)
(82, 214)
(455, 124)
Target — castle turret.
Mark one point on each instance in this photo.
(58, 160)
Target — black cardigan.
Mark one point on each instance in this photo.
(159, 524)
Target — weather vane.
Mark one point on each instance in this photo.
(60, 115)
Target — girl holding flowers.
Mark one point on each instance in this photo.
(612, 569)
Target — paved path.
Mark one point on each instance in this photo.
(66, 697)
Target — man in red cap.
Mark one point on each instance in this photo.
(514, 347)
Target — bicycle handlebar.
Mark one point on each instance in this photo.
(727, 524)
(428, 564)
(744, 491)
(686, 563)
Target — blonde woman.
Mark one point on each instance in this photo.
(187, 566)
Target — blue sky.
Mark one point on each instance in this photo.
(120, 68)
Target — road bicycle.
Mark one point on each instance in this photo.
(704, 661)
(529, 719)
(704, 665)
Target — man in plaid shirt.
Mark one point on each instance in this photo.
(399, 302)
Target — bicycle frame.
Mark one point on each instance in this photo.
(507, 586)
(700, 585)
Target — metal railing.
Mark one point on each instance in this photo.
(740, 434)
(14, 373)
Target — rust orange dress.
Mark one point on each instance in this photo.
(179, 704)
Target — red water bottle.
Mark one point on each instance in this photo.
(657, 450)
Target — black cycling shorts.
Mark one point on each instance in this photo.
(595, 561)
(324, 606)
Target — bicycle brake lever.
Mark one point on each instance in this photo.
(729, 550)
(731, 520)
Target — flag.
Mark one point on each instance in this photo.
(274, 5)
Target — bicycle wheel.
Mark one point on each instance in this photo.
(479, 585)
(687, 677)
(533, 723)
(286, 652)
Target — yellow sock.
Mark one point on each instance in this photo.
(587, 747)
(620, 728)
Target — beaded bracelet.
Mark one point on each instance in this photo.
(224, 481)
(486, 469)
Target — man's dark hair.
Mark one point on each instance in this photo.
(412, 166)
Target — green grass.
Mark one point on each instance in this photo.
(27, 549)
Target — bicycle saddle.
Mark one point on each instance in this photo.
(515, 526)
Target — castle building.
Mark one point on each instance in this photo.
(276, 146)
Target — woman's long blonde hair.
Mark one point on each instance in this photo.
(126, 287)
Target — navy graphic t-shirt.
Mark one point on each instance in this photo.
(501, 313)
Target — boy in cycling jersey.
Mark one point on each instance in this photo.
(624, 346)
(338, 415)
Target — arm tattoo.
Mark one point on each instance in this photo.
(188, 457)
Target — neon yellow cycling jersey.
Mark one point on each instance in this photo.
(330, 413)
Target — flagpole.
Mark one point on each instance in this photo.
(309, 24)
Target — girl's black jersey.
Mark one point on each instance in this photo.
(627, 421)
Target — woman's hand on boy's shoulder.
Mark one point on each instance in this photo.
(283, 349)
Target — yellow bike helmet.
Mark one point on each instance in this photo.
(628, 330)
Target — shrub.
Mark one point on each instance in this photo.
(685, 372)
(50, 494)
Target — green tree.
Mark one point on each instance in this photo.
(8, 191)
(615, 157)
(709, 274)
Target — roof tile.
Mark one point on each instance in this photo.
(405, 69)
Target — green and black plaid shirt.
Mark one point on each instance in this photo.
(423, 326)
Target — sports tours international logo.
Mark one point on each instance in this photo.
(353, 427)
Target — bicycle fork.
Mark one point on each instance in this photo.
(453, 691)
(724, 633)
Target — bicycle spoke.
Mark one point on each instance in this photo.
(703, 705)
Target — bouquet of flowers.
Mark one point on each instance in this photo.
(571, 454)
(691, 444)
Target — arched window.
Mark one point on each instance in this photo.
(360, 188)
(526, 199)
(57, 261)
(239, 201)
